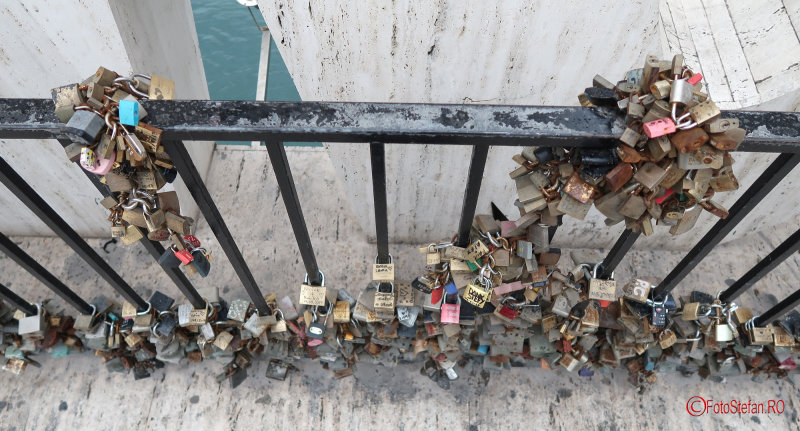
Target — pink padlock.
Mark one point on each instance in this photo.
(694, 79)
(184, 256)
(103, 166)
(660, 127)
(451, 312)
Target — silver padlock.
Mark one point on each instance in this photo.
(84, 127)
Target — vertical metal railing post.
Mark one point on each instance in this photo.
(283, 173)
(474, 178)
(781, 308)
(7, 295)
(617, 252)
(787, 248)
(45, 277)
(378, 161)
(771, 176)
(35, 203)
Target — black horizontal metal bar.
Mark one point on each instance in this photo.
(378, 161)
(283, 173)
(7, 295)
(771, 176)
(155, 249)
(777, 311)
(618, 251)
(30, 264)
(38, 206)
(787, 248)
(480, 125)
(197, 188)
(474, 178)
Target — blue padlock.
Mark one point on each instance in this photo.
(129, 112)
(451, 288)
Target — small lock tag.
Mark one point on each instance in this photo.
(383, 272)
(477, 295)
(312, 295)
(638, 290)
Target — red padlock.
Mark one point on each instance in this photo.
(191, 239)
(508, 312)
(694, 79)
(184, 256)
(667, 194)
(450, 312)
(660, 127)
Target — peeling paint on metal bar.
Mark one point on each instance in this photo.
(391, 123)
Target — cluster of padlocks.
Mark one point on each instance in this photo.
(672, 159)
(111, 139)
(504, 300)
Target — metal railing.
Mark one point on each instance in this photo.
(376, 124)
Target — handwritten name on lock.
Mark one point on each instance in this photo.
(383, 272)
(312, 295)
(602, 290)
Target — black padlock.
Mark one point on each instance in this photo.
(238, 377)
(543, 154)
(404, 331)
(602, 96)
(169, 174)
(200, 262)
(168, 259)
(166, 325)
(658, 317)
(161, 302)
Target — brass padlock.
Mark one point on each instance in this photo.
(686, 141)
(704, 111)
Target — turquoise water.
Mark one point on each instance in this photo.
(230, 43)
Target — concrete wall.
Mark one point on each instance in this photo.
(48, 43)
(520, 52)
